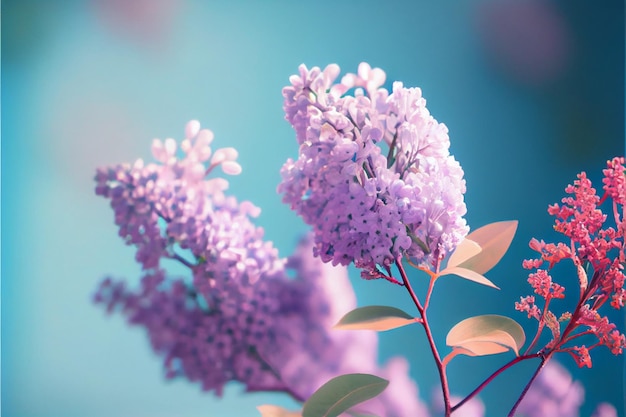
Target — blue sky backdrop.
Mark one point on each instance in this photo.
(532, 93)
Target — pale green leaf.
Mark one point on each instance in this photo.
(470, 275)
(498, 342)
(486, 335)
(379, 318)
(359, 414)
(464, 251)
(268, 410)
(341, 393)
(494, 240)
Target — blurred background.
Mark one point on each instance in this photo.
(531, 91)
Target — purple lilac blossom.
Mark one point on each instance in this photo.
(472, 408)
(374, 176)
(201, 345)
(555, 394)
(604, 410)
(324, 295)
(246, 315)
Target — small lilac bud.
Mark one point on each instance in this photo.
(204, 137)
(224, 154)
(170, 147)
(231, 168)
(192, 128)
(157, 151)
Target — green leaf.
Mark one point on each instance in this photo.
(379, 318)
(358, 414)
(276, 411)
(486, 335)
(341, 393)
(470, 275)
(493, 239)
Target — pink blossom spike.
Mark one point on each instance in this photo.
(595, 248)
(615, 180)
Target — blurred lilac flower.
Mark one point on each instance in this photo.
(604, 410)
(472, 408)
(374, 176)
(529, 40)
(148, 22)
(555, 394)
(401, 398)
(200, 344)
(311, 353)
(242, 317)
(208, 330)
(176, 192)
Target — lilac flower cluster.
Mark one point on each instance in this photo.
(202, 345)
(374, 176)
(170, 210)
(242, 317)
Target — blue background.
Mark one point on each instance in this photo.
(532, 94)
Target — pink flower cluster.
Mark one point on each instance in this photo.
(596, 250)
(374, 176)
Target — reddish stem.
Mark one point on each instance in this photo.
(429, 336)
(493, 376)
(431, 284)
(182, 260)
(544, 360)
(572, 337)
(539, 328)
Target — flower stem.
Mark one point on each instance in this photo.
(431, 285)
(431, 341)
(540, 328)
(278, 388)
(182, 260)
(544, 359)
(491, 377)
